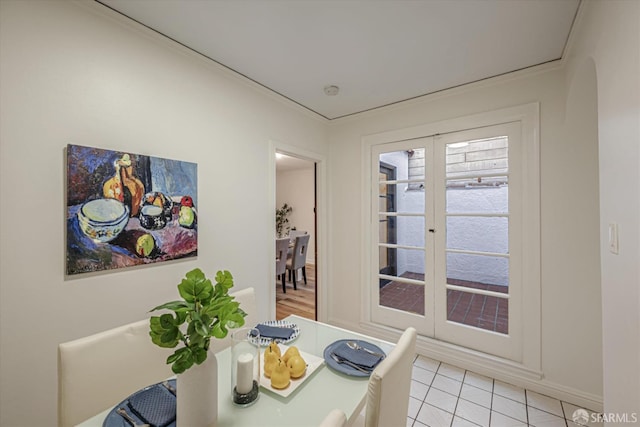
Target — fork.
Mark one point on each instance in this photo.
(346, 362)
(124, 414)
(168, 386)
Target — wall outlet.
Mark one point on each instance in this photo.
(613, 238)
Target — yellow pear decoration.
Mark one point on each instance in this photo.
(270, 360)
(273, 346)
(297, 366)
(291, 351)
(280, 376)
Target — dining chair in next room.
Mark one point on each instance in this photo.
(282, 246)
(298, 259)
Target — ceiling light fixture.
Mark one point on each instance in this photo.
(331, 90)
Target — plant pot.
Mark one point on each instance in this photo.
(197, 395)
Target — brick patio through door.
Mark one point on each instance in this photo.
(480, 311)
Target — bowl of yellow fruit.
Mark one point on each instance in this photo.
(286, 368)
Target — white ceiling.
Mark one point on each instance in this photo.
(378, 52)
(286, 163)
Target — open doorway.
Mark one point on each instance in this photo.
(296, 187)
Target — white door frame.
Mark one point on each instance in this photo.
(321, 222)
(529, 117)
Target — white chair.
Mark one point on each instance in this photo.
(247, 299)
(98, 371)
(335, 418)
(389, 385)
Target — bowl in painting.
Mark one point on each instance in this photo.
(152, 217)
(102, 220)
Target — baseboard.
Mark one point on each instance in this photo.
(484, 364)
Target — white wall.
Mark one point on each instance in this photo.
(296, 188)
(606, 53)
(571, 351)
(74, 72)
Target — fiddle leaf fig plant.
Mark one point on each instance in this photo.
(206, 310)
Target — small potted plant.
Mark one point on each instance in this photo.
(282, 219)
(208, 312)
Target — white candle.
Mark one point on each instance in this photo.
(244, 383)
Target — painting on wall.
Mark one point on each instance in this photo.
(126, 209)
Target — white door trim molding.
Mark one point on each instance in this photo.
(529, 117)
(321, 221)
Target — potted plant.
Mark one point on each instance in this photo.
(206, 311)
(282, 219)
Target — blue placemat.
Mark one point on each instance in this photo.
(154, 406)
(144, 400)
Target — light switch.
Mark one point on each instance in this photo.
(613, 238)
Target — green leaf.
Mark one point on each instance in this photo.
(208, 311)
(167, 337)
(199, 355)
(182, 365)
(219, 330)
(195, 287)
(170, 336)
(167, 321)
(173, 305)
(224, 279)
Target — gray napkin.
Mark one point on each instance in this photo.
(275, 332)
(357, 357)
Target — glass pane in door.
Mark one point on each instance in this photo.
(481, 311)
(401, 241)
(477, 233)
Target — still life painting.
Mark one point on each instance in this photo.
(126, 209)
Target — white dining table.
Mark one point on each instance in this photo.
(324, 390)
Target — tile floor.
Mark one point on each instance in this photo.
(443, 395)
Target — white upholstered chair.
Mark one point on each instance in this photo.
(335, 418)
(247, 299)
(100, 370)
(389, 386)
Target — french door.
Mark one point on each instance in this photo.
(446, 256)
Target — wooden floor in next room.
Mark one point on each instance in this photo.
(302, 301)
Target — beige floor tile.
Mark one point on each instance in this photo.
(472, 412)
(434, 417)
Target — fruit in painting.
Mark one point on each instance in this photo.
(186, 201)
(145, 245)
(186, 216)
